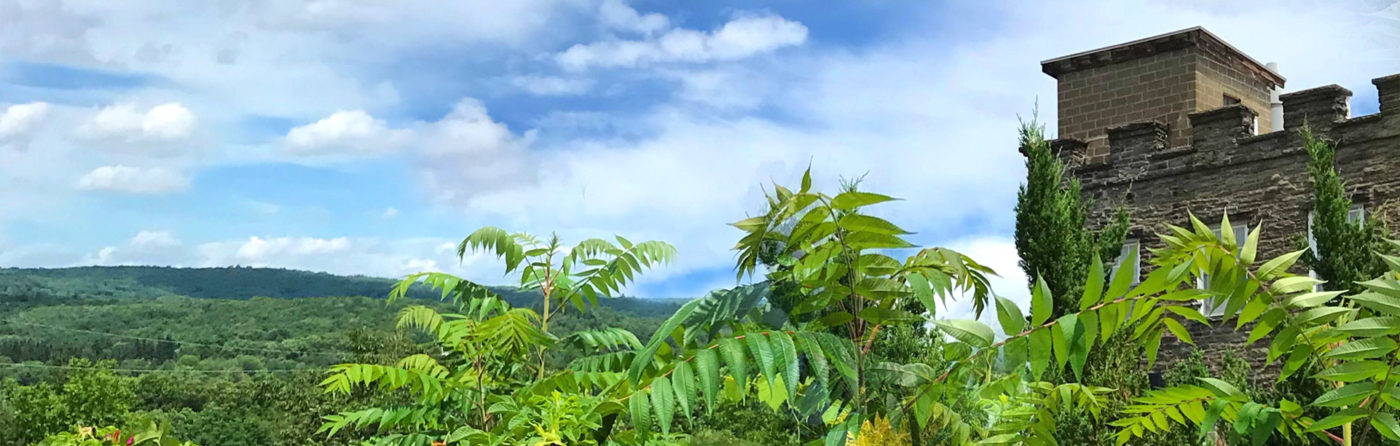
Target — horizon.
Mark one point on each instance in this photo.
(358, 141)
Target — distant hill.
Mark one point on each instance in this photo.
(120, 282)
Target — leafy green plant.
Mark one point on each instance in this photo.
(146, 432)
(978, 390)
(1351, 338)
(486, 380)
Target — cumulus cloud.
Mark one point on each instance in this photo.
(128, 123)
(745, 36)
(19, 120)
(148, 247)
(133, 180)
(618, 15)
(345, 132)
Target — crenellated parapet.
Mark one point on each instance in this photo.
(1226, 136)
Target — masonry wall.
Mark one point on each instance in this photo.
(1258, 179)
(1215, 79)
(1156, 87)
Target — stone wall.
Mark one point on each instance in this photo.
(1259, 180)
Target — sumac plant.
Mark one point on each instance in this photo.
(1351, 337)
(980, 391)
(485, 381)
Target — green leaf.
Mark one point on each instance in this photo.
(851, 200)
(644, 357)
(707, 364)
(791, 365)
(1295, 284)
(862, 222)
(1068, 327)
(1093, 287)
(1251, 246)
(763, 353)
(972, 332)
(880, 315)
(683, 380)
(733, 352)
(641, 413)
(1212, 416)
(662, 399)
(1010, 316)
(1385, 424)
(1338, 418)
(833, 319)
(1354, 371)
(1178, 330)
(1278, 264)
(1321, 315)
(1039, 353)
(1346, 395)
(1371, 327)
(1362, 349)
(1223, 389)
(1041, 302)
(1380, 303)
(1188, 313)
(923, 291)
(1122, 279)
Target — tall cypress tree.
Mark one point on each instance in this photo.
(1345, 251)
(1052, 236)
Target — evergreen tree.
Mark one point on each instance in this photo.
(1052, 236)
(1343, 252)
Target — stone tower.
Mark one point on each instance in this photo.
(1162, 78)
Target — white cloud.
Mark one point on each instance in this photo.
(19, 120)
(551, 85)
(345, 132)
(389, 213)
(259, 250)
(616, 14)
(134, 180)
(154, 238)
(745, 36)
(129, 124)
(147, 247)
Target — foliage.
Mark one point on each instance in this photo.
(487, 380)
(1053, 238)
(148, 432)
(221, 371)
(1346, 251)
(1352, 342)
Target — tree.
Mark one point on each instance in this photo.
(479, 384)
(1052, 235)
(1344, 251)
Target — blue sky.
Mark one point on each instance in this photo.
(356, 138)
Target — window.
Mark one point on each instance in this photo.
(1210, 307)
(1230, 100)
(1130, 246)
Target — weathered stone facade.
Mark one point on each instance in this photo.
(1161, 78)
(1225, 167)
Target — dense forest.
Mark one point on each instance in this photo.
(207, 349)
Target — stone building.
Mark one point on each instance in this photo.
(1185, 122)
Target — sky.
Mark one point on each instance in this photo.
(368, 137)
